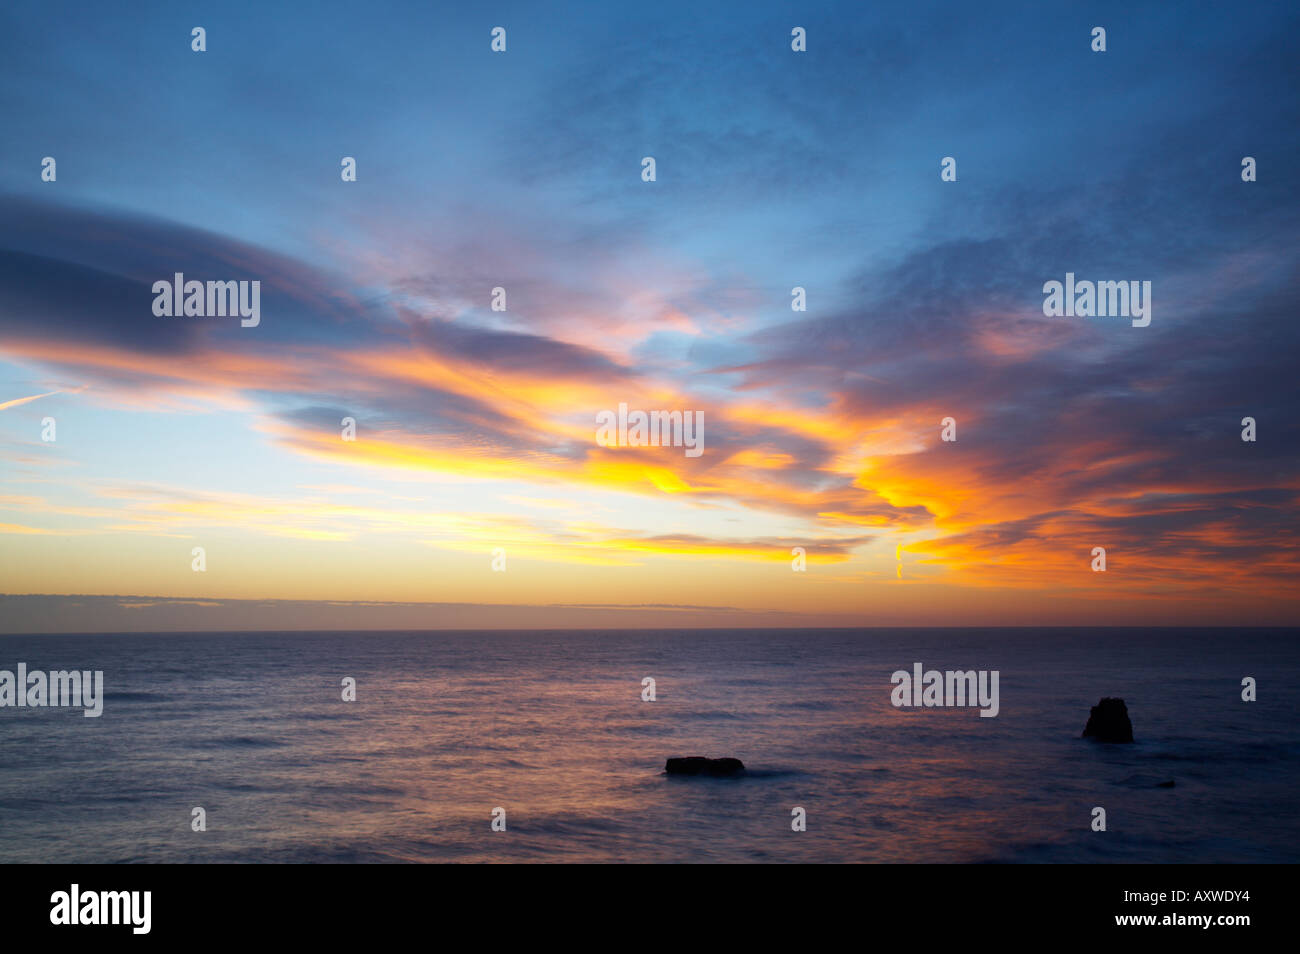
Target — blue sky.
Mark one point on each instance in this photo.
(774, 169)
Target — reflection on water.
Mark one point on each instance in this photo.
(551, 727)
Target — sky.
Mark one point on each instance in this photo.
(476, 492)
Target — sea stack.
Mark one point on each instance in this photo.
(698, 765)
(1108, 722)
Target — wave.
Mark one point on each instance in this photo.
(134, 696)
(237, 742)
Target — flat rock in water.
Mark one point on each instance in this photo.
(698, 765)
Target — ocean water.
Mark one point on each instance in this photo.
(551, 727)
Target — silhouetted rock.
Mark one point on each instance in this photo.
(698, 765)
(1168, 784)
(1108, 722)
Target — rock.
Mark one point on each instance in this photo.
(698, 765)
(1168, 784)
(1108, 722)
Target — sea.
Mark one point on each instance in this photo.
(544, 746)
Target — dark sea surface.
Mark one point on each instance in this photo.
(551, 727)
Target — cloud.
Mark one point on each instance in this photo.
(17, 402)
